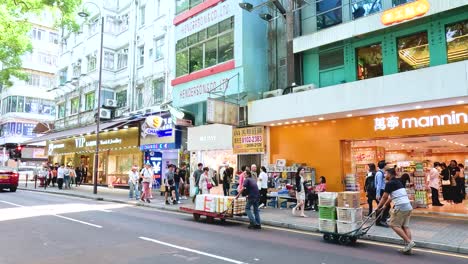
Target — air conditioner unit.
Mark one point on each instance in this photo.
(110, 103)
(243, 116)
(303, 88)
(105, 114)
(273, 93)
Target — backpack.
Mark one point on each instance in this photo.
(370, 183)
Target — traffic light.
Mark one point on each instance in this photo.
(16, 153)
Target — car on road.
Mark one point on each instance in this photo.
(8, 179)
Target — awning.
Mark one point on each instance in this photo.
(73, 132)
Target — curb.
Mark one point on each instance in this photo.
(376, 238)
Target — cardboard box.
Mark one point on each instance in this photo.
(239, 206)
(349, 199)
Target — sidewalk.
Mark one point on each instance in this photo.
(428, 232)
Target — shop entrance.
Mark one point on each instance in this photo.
(415, 157)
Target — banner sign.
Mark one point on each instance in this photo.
(249, 140)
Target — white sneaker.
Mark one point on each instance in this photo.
(261, 206)
(294, 211)
(408, 247)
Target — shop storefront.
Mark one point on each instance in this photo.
(161, 143)
(341, 149)
(212, 146)
(249, 144)
(118, 153)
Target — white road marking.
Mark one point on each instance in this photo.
(193, 251)
(78, 221)
(12, 204)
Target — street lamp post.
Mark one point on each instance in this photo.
(98, 118)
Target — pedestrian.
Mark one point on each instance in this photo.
(405, 179)
(250, 189)
(206, 182)
(369, 187)
(262, 182)
(84, 172)
(54, 174)
(196, 180)
(242, 176)
(401, 213)
(253, 170)
(434, 184)
(300, 191)
(183, 181)
(79, 175)
(133, 183)
(146, 174)
(66, 177)
(60, 176)
(454, 174)
(177, 183)
(459, 190)
(169, 182)
(379, 191)
(72, 176)
(49, 176)
(227, 179)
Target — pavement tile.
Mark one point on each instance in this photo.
(435, 233)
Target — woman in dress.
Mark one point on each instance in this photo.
(300, 191)
(206, 182)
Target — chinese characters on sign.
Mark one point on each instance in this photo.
(249, 140)
(393, 122)
(405, 12)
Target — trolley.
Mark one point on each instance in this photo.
(210, 216)
(352, 236)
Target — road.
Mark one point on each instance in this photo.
(44, 228)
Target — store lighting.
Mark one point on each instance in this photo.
(321, 118)
(295, 121)
(460, 102)
(125, 127)
(417, 107)
(302, 121)
(272, 124)
(88, 134)
(444, 139)
(381, 111)
(115, 129)
(106, 130)
(279, 124)
(450, 141)
(287, 123)
(349, 115)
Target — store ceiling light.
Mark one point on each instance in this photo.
(287, 123)
(460, 102)
(115, 129)
(418, 107)
(349, 115)
(125, 127)
(321, 118)
(381, 111)
(106, 130)
(302, 121)
(279, 124)
(272, 124)
(295, 121)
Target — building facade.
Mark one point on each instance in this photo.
(382, 74)
(28, 103)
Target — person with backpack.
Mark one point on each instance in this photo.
(369, 187)
(379, 191)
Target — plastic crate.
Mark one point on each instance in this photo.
(349, 214)
(326, 225)
(327, 198)
(327, 212)
(344, 227)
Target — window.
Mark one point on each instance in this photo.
(93, 27)
(205, 48)
(158, 91)
(89, 101)
(74, 105)
(122, 59)
(140, 97)
(13, 103)
(106, 94)
(413, 52)
(122, 23)
(141, 56)
(329, 13)
(63, 76)
(91, 62)
(38, 34)
(46, 81)
(34, 80)
(53, 37)
(108, 60)
(360, 8)
(61, 110)
(142, 15)
(46, 59)
(158, 48)
(457, 41)
(369, 62)
(184, 5)
(76, 68)
(20, 104)
(121, 98)
(331, 59)
(401, 2)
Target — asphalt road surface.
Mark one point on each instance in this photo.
(43, 228)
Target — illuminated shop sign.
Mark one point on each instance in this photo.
(394, 122)
(158, 126)
(405, 12)
(82, 142)
(161, 146)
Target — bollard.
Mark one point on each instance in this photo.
(26, 181)
(35, 182)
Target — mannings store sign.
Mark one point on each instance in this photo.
(394, 122)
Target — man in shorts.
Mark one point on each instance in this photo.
(401, 213)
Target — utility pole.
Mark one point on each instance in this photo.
(289, 44)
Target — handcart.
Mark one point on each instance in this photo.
(210, 216)
(351, 237)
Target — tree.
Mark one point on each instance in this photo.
(15, 28)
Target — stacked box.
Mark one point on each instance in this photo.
(327, 212)
(205, 202)
(327, 198)
(349, 199)
(349, 215)
(344, 227)
(239, 206)
(327, 225)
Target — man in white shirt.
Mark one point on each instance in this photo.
(133, 183)
(60, 176)
(262, 183)
(147, 174)
(434, 183)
